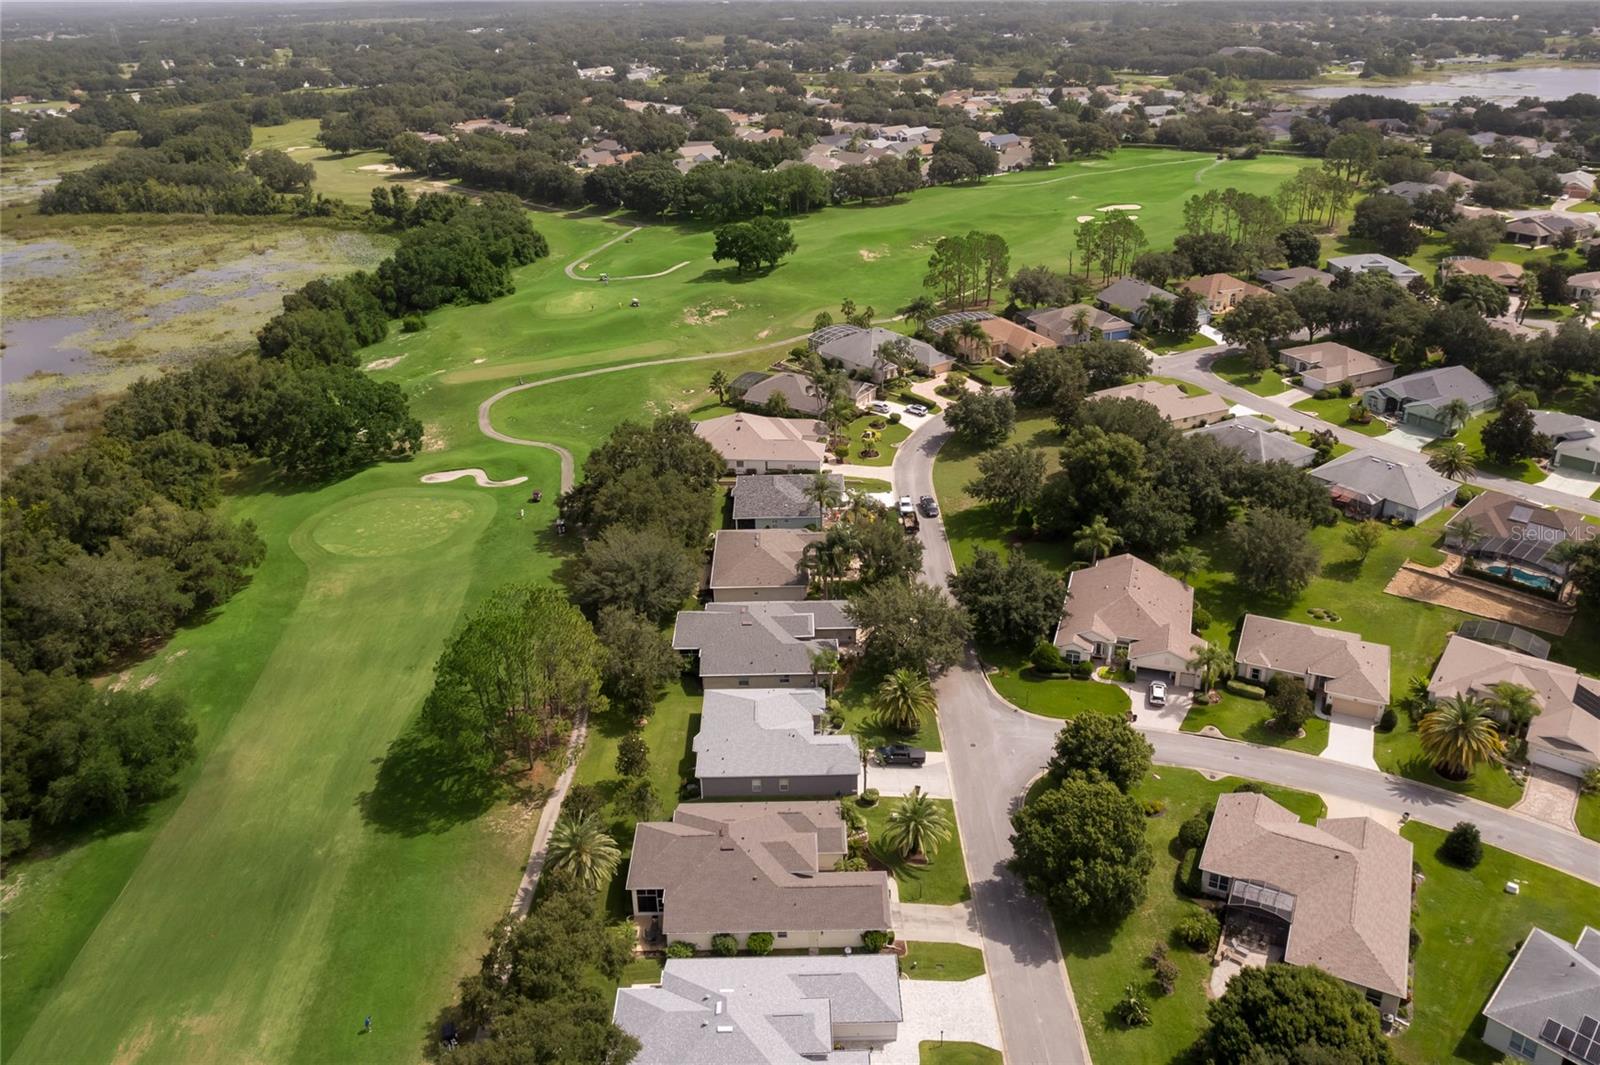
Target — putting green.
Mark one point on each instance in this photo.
(386, 524)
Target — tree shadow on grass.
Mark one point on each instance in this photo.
(1344, 570)
(422, 789)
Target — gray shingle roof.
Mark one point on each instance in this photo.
(768, 732)
(1439, 386)
(758, 1011)
(1411, 485)
(1550, 979)
(1257, 441)
(776, 495)
(858, 349)
(758, 639)
(1130, 294)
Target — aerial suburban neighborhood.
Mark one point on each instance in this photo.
(753, 534)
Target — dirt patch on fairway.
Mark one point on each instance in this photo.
(131, 1050)
(871, 256)
(381, 168)
(706, 313)
(433, 438)
(384, 364)
(764, 334)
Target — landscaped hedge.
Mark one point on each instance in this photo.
(1244, 689)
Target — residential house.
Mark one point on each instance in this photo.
(1542, 228)
(1575, 441)
(1372, 263)
(1365, 485)
(1006, 338)
(1546, 1008)
(1122, 605)
(1504, 274)
(1329, 365)
(1451, 179)
(1585, 286)
(1410, 191)
(1258, 441)
(1220, 293)
(1344, 673)
(798, 393)
(856, 351)
(1284, 281)
(1176, 406)
(1337, 894)
(1565, 734)
(1506, 529)
(1062, 324)
(778, 501)
(766, 741)
(751, 565)
(789, 1010)
(1420, 399)
(1576, 184)
(762, 644)
(754, 443)
(743, 867)
(1129, 296)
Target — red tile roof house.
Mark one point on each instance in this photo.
(1123, 603)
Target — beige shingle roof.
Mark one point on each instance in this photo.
(1126, 598)
(1350, 878)
(757, 437)
(1173, 403)
(1352, 667)
(759, 558)
(1337, 361)
(1568, 722)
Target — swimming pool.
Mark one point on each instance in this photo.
(1540, 581)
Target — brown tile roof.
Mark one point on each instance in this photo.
(1504, 273)
(755, 867)
(1173, 403)
(1350, 878)
(1337, 360)
(1352, 668)
(1568, 722)
(1215, 286)
(757, 437)
(1126, 598)
(760, 558)
(1004, 332)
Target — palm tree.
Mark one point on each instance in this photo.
(580, 846)
(824, 491)
(1453, 460)
(1471, 534)
(1515, 703)
(1096, 538)
(904, 699)
(824, 663)
(1458, 735)
(921, 309)
(1455, 414)
(1184, 562)
(1211, 661)
(830, 558)
(864, 735)
(719, 385)
(975, 345)
(1080, 323)
(916, 826)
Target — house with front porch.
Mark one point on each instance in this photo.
(1344, 673)
(1124, 608)
(1421, 399)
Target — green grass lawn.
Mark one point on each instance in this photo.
(989, 373)
(941, 961)
(1588, 816)
(1470, 929)
(1170, 344)
(643, 969)
(942, 880)
(1188, 388)
(1336, 412)
(890, 437)
(1102, 961)
(971, 524)
(1247, 719)
(1061, 697)
(1471, 436)
(931, 1052)
(1339, 448)
(856, 700)
(1234, 370)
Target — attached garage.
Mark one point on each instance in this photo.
(1571, 764)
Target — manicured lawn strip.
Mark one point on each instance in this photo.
(941, 961)
(1234, 370)
(890, 437)
(1588, 816)
(643, 969)
(989, 373)
(1339, 447)
(1336, 412)
(1470, 929)
(1400, 752)
(1061, 697)
(942, 881)
(1102, 961)
(855, 699)
(1471, 435)
(1246, 719)
(1167, 344)
(931, 1052)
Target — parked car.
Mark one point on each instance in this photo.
(906, 506)
(900, 754)
(1158, 693)
(879, 408)
(917, 410)
(930, 506)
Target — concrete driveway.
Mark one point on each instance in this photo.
(1550, 796)
(1350, 741)
(958, 1011)
(933, 777)
(1167, 718)
(919, 922)
(1571, 482)
(1410, 439)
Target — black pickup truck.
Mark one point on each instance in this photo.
(900, 754)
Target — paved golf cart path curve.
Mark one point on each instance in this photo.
(572, 267)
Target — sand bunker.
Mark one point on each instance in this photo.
(384, 364)
(381, 168)
(1086, 218)
(869, 256)
(1121, 207)
(483, 480)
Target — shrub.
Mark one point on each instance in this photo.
(1463, 846)
(869, 797)
(759, 943)
(1245, 690)
(1466, 494)
(1248, 787)
(1132, 1010)
(413, 323)
(1166, 975)
(1198, 931)
(873, 942)
(1192, 833)
(1154, 807)
(894, 418)
(1416, 941)
(1322, 393)
(725, 944)
(1046, 658)
(850, 865)
(1290, 702)
(1083, 670)
(1346, 389)
(1388, 721)
(680, 950)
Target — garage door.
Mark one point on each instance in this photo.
(1560, 763)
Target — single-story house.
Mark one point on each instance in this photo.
(1373, 263)
(1124, 605)
(1420, 399)
(1574, 440)
(1220, 293)
(1546, 1008)
(1541, 228)
(856, 351)
(1576, 184)
(826, 1010)
(1176, 406)
(1585, 286)
(1004, 337)
(1507, 529)
(1344, 673)
(1370, 486)
(777, 501)
(1565, 734)
(798, 394)
(765, 741)
(750, 565)
(1130, 296)
(1505, 274)
(1338, 894)
(1451, 179)
(1409, 191)
(762, 644)
(743, 867)
(1060, 324)
(1285, 281)
(1258, 441)
(754, 443)
(1328, 365)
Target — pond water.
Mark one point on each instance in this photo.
(40, 345)
(1499, 86)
